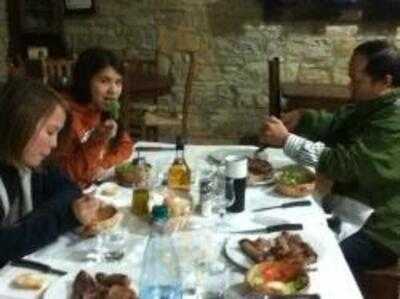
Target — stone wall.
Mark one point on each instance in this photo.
(3, 41)
(232, 44)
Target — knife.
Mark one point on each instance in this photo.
(272, 228)
(302, 203)
(153, 149)
(29, 264)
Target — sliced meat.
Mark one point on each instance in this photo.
(251, 251)
(259, 167)
(120, 292)
(113, 279)
(84, 286)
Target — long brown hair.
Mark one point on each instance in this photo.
(23, 103)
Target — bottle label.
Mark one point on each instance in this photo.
(236, 166)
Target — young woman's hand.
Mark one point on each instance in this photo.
(85, 209)
(111, 128)
(107, 129)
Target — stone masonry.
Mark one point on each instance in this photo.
(232, 43)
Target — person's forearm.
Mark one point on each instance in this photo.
(303, 151)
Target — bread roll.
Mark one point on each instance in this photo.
(29, 281)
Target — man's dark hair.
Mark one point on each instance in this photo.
(383, 59)
(90, 62)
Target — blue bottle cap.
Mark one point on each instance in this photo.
(159, 212)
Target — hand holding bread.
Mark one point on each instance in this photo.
(85, 209)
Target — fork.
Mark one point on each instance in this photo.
(259, 150)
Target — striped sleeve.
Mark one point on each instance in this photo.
(303, 151)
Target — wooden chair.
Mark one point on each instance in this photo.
(382, 283)
(143, 80)
(57, 72)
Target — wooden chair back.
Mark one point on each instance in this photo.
(143, 80)
(57, 72)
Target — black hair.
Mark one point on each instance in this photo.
(89, 63)
(383, 59)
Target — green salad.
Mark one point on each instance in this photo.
(129, 167)
(295, 175)
(297, 285)
(125, 167)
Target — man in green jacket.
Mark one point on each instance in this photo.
(358, 148)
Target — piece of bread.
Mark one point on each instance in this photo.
(295, 181)
(109, 189)
(31, 281)
(107, 217)
(179, 203)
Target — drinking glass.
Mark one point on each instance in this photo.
(108, 245)
(224, 197)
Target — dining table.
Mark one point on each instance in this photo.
(202, 244)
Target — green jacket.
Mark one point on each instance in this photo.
(363, 158)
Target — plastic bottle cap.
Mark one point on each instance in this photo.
(159, 212)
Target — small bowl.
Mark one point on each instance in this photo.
(107, 217)
(126, 174)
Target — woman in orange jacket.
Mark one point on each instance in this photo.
(95, 140)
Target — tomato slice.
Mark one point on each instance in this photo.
(280, 271)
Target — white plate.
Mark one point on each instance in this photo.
(220, 155)
(62, 288)
(108, 190)
(236, 255)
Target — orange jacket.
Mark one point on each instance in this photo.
(82, 156)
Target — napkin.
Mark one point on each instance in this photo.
(7, 291)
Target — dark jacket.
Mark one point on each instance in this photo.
(52, 215)
(363, 159)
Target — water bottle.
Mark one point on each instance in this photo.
(160, 277)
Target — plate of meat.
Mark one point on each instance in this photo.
(260, 170)
(247, 250)
(97, 282)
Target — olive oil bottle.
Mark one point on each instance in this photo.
(179, 173)
(140, 192)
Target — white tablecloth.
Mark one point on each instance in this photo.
(332, 279)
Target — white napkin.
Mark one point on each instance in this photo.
(7, 291)
(352, 213)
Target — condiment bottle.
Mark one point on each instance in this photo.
(140, 192)
(179, 173)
